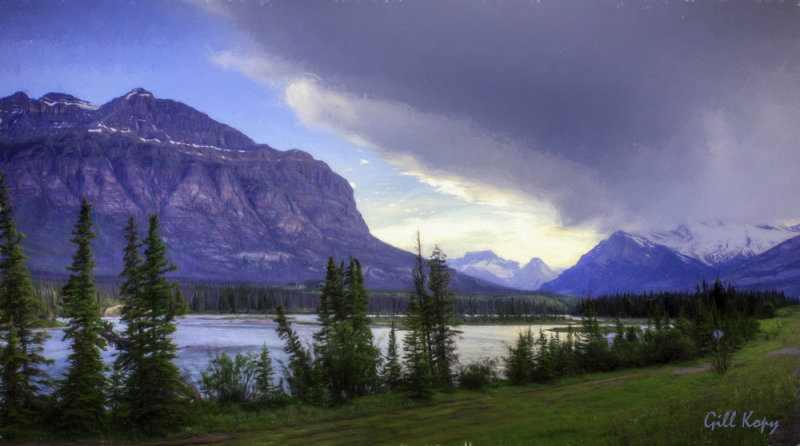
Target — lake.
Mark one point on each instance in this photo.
(200, 337)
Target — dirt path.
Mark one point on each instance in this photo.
(697, 368)
(786, 351)
(219, 438)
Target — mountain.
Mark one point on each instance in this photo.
(630, 263)
(723, 245)
(488, 266)
(777, 268)
(230, 209)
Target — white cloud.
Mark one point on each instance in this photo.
(451, 154)
(500, 197)
(271, 71)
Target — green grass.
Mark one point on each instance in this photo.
(652, 405)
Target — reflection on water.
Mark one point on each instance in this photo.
(200, 337)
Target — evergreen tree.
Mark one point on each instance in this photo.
(593, 347)
(81, 395)
(364, 357)
(442, 317)
(117, 395)
(419, 365)
(299, 374)
(429, 317)
(519, 362)
(128, 358)
(331, 297)
(21, 362)
(330, 307)
(264, 389)
(345, 352)
(392, 371)
(154, 391)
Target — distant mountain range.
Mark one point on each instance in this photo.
(235, 210)
(231, 209)
(488, 266)
(756, 257)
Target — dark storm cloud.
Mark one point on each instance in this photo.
(655, 100)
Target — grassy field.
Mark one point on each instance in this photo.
(656, 405)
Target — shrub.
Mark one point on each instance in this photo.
(229, 380)
(478, 376)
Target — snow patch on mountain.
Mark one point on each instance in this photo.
(72, 101)
(716, 243)
(138, 92)
(488, 266)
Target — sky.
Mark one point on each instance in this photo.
(531, 128)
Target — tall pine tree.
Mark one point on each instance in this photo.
(129, 358)
(430, 343)
(154, 392)
(442, 315)
(417, 342)
(262, 369)
(300, 373)
(346, 356)
(392, 371)
(21, 361)
(81, 395)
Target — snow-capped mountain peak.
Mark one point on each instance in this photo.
(719, 243)
(486, 261)
(489, 266)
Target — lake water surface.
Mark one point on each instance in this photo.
(200, 337)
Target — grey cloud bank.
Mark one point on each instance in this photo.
(619, 114)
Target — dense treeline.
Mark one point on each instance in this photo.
(712, 321)
(265, 299)
(251, 298)
(761, 304)
(50, 300)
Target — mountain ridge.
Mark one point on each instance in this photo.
(633, 263)
(231, 209)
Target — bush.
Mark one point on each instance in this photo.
(667, 345)
(478, 376)
(229, 380)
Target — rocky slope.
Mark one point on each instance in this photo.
(231, 209)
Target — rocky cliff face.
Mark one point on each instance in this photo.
(231, 209)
